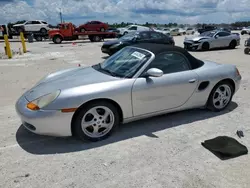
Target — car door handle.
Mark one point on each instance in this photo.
(192, 80)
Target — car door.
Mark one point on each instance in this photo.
(156, 37)
(169, 91)
(29, 26)
(36, 25)
(220, 39)
(143, 37)
(132, 29)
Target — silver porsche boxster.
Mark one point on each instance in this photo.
(136, 82)
(212, 39)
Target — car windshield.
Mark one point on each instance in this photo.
(209, 33)
(128, 36)
(125, 63)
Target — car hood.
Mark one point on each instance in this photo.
(18, 25)
(111, 42)
(196, 38)
(66, 79)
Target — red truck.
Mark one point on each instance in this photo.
(68, 32)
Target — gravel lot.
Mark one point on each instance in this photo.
(160, 152)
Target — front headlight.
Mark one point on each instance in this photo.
(43, 101)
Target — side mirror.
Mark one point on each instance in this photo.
(153, 72)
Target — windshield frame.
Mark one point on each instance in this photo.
(138, 71)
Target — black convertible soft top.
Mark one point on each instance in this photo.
(159, 48)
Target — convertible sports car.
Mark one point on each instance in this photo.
(212, 39)
(138, 81)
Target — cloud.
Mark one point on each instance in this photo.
(160, 11)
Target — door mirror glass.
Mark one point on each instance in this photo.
(154, 72)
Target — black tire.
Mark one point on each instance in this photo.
(39, 38)
(57, 39)
(82, 30)
(184, 33)
(205, 46)
(247, 50)
(102, 29)
(232, 44)
(192, 32)
(43, 30)
(97, 38)
(243, 32)
(77, 126)
(210, 104)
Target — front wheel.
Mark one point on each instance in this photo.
(96, 121)
(220, 96)
(43, 30)
(232, 44)
(205, 46)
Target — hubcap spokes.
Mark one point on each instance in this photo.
(98, 121)
(222, 96)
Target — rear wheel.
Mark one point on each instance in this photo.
(96, 121)
(102, 29)
(232, 44)
(247, 50)
(57, 39)
(82, 30)
(39, 38)
(97, 38)
(43, 30)
(220, 96)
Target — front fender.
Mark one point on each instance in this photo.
(55, 34)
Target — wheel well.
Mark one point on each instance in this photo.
(228, 80)
(234, 41)
(224, 80)
(95, 100)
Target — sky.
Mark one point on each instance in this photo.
(135, 11)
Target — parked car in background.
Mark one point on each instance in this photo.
(246, 30)
(247, 46)
(132, 28)
(177, 32)
(92, 26)
(206, 28)
(35, 25)
(212, 39)
(111, 47)
(165, 31)
(225, 29)
(190, 31)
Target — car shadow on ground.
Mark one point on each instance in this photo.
(42, 145)
(215, 49)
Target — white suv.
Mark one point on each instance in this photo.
(132, 28)
(246, 30)
(35, 25)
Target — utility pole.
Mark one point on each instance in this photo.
(61, 15)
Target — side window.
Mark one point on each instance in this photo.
(223, 34)
(133, 28)
(44, 22)
(155, 35)
(170, 62)
(36, 22)
(144, 35)
(28, 23)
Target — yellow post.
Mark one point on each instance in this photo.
(23, 42)
(7, 44)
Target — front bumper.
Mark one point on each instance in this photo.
(44, 122)
(191, 46)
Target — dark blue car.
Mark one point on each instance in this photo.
(111, 47)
